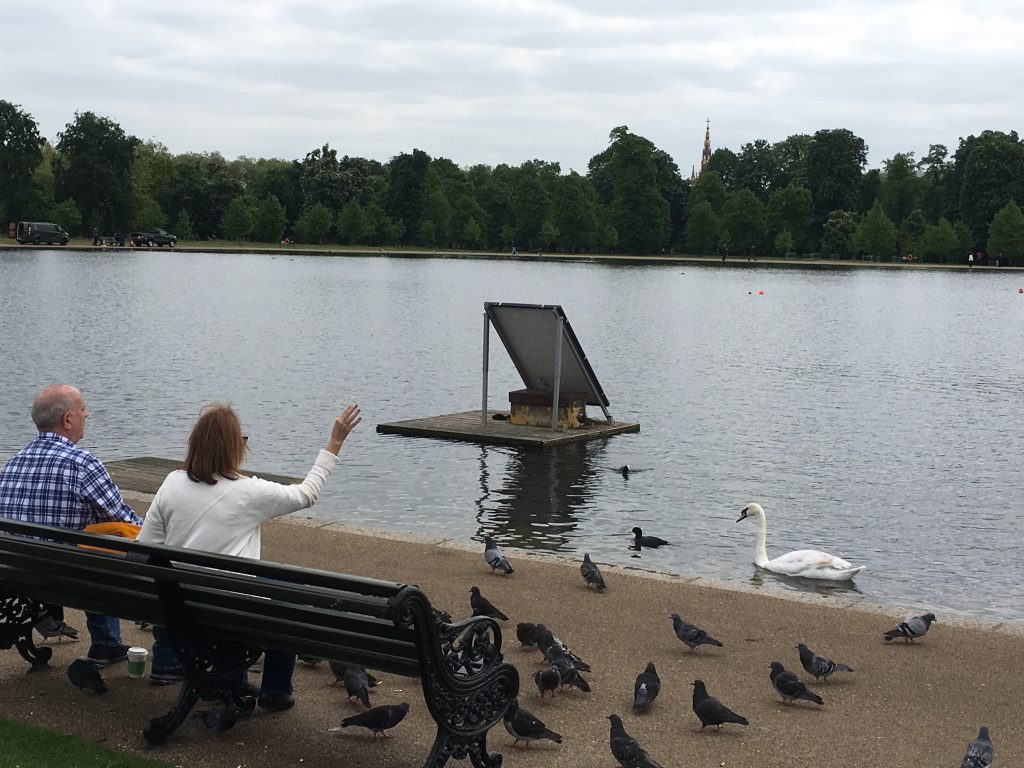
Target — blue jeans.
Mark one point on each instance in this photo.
(103, 630)
(164, 659)
(278, 667)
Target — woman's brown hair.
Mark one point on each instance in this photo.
(216, 446)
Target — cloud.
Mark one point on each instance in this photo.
(505, 81)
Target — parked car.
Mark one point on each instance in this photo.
(36, 232)
(153, 237)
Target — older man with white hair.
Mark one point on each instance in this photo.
(54, 482)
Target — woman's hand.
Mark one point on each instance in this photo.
(345, 423)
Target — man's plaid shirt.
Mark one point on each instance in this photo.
(53, 482)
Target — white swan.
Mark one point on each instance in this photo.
(807, 563)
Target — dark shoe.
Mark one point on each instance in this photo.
(167, 676)
(277, 702)
(102, 655)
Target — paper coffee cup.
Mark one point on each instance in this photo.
(137, 662)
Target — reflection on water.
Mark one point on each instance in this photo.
(538, 501)
(763, 577)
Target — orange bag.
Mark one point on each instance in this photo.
(124, 530)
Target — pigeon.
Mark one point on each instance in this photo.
(495, 556)
(86, 675)
(526, 633)
(547, 680)
(338, 669)
(219, 718)
(625, 748)
(357, 684)
(553, 648)
(482, 606)
(691, 634)
(710, 710)
(980, 752)
(817, 665)
(569, 674)
(913, 627)
(646, 688)
(790, 687)
(591, 573)
(379, 719)
(48, 627)
(524, 726)
(646, 541)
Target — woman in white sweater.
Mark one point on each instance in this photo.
(210, 505)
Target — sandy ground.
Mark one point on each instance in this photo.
(909, 705)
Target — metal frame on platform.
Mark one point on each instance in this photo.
(518, 326)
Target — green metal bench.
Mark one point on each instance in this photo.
(221, 612)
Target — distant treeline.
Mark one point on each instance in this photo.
(807, 193)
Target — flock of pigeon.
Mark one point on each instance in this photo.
(562, 668)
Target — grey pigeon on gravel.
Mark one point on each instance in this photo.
(591, 573)
(48, 627)
(85, 675)
(522, 725)
(980, 752)
(547, 680)
(338, 669)
(626, 749)
(912, 628)
(379, 719)
(691, 634)
(482, 606)
(553, 648)
(357, 684)
(790, 687)
(219, 718)
(639, 540)
(710, 710)
(569, 673)
(526, 634)
(817, 665)
(495, 556)
(646, 688)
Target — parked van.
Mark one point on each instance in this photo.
(37, 232)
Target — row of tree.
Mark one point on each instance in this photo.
(805, 193)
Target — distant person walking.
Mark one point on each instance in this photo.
(970, 260)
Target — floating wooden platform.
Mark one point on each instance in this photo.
(145, 473)
(468, 426)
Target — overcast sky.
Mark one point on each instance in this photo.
(491, 81)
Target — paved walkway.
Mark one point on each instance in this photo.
(906, 705)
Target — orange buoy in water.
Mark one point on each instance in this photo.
(761, 292)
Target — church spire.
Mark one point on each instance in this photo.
(706, 154)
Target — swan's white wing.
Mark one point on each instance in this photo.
(812, 564)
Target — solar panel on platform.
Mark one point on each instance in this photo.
(529, 333)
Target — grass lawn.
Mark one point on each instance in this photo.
(26, 746)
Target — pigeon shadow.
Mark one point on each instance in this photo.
(762, 577)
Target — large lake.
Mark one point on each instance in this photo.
(874, 414)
